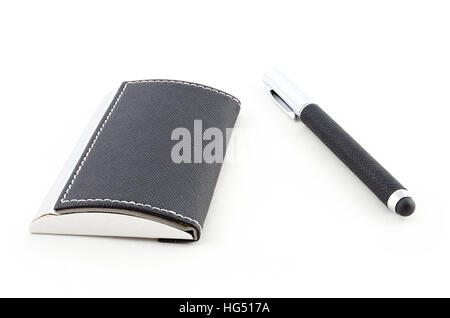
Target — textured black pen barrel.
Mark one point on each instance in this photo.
(358, 160)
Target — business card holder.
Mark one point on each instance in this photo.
(121, 179)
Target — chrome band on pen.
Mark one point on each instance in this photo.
(395, 197)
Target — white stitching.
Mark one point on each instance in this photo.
(135, 203)
(63, 200)
(190, 84)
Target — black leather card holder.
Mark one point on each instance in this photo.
(127, 168)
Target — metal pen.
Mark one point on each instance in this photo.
(299, 107)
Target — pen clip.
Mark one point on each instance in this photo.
(285, 93)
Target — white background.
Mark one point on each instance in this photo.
(287, 218)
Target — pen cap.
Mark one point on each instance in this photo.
(285, 93)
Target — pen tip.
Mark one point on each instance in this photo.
(405, 206)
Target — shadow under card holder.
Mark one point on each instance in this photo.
(121, 180)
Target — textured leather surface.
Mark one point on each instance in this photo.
(363, 165)
(127, 163)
